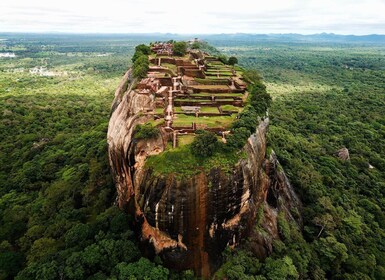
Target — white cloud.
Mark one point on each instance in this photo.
(198, 16)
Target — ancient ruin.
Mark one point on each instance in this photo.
(194, 92)
(190, 219)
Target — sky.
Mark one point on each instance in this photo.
(357, 17)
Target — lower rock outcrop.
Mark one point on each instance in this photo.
(190, 221)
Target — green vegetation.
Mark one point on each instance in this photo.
(209, 110)
(222, 58)
(179, 48)
(326, 96)
(185, 139)
(218, 95)
(213, 81)
(146, 131)
(232, 60)
(204, 144)
(57, 213)
(172, 67)
(142, 48)
(182, 163)
(258, 103)
(140, 61)
(159, 111)
(217, 121)
(195, 46)
(230, 108)
(140, 66)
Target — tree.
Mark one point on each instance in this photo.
(10, 261)
(232, 60)
(144, 49)
(179, 48)
(277, 269)
(142, 269)
(222, 58)
(331, 252)
(146, 131)
(195, 45)
(140, 66)
(238, 138)
(204, 144)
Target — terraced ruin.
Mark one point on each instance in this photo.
(193, 92)
(191, 195)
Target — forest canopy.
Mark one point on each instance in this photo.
(57, 212)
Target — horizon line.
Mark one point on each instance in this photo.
(183, 34)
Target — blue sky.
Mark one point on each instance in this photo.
(194, 16)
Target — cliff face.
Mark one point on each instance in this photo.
(190, 221)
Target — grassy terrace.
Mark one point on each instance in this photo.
(159, 111)
(180, 160)
(213, 80)
(214, 62)
(217, 95)
(182, 163)
(220, 74)
(201, 100)
(203, 87)
(210, 122)
(231, 108)
(178, 109)
(160, 75)
(203, 109)
(170, 66)
(209, 109)
(185, 139)
(218, 69)
(157, 122)
(217, 66)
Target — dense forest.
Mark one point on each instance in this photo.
(57, 214)
(327, 97)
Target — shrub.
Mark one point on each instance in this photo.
(136, 56)
(239, 137)
(179, 48)
(195, 46)
(204, 144)
(259, 98)
(144, 49)
(146, 131)
(232, 60)
(222, 58)
(141, 66)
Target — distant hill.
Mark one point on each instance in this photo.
(291, 37)
(288, 37)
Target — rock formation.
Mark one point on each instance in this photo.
(190, 221)
(343, 154)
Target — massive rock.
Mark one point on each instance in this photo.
(190, 221)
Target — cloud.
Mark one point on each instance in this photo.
(198, 16)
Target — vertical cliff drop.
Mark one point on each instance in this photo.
(189, 220)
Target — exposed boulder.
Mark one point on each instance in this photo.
(343, 154)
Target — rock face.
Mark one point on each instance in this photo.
(343, 154)
(190, 221)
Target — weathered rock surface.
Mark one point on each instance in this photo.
(190, 221)
(343, 154)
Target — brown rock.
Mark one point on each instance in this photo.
(190, 221)
(343, 154)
